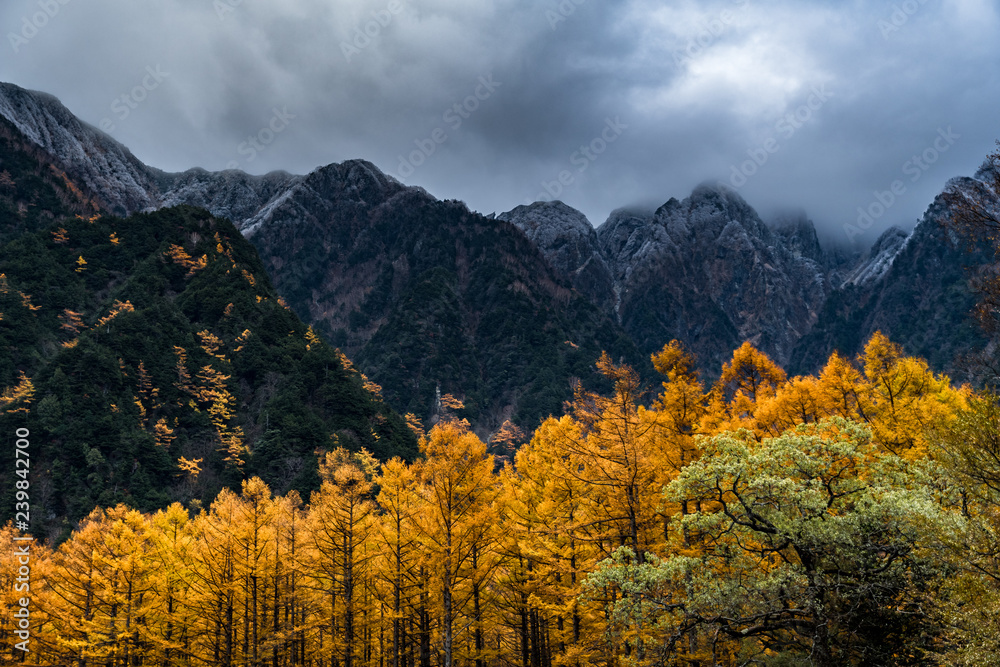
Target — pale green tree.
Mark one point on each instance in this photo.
(810, 546)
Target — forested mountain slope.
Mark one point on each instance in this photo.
(152, 361)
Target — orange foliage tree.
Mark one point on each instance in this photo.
(463, 556)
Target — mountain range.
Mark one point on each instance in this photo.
(149, 359)
(508, 312)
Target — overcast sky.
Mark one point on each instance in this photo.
(796, 104)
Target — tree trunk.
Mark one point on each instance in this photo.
(477, 611)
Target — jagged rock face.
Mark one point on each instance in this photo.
(709, 272)
(798, 235)
(914, 289)
(924, 300)
(103, 165)
(879, 259)
(323, 237)
(425, 295)
(569, 243)
(231, 194)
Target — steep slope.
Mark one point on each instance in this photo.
(915, 289)
(427, 296)
(407, 285)
(136, 346)
(99, 162)
(878, 260)
(798, 235)
(709, 272)
(33, 191)
(121, 182)
(569, 243)
(516, 334)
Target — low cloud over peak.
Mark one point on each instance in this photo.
(793, 104)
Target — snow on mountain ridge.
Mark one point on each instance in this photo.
(125, 184)
(105, 166)
(879, 259)
(232, 194)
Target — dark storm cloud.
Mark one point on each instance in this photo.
(817, 105)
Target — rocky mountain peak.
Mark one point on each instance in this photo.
(671, 205)
(625, 238)
(337, 192)
(549, 219)
(707, 270)
(798, 233)
(987, 171)
(889, 241)
(714, 207)
(569, 242)
(355, 180)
